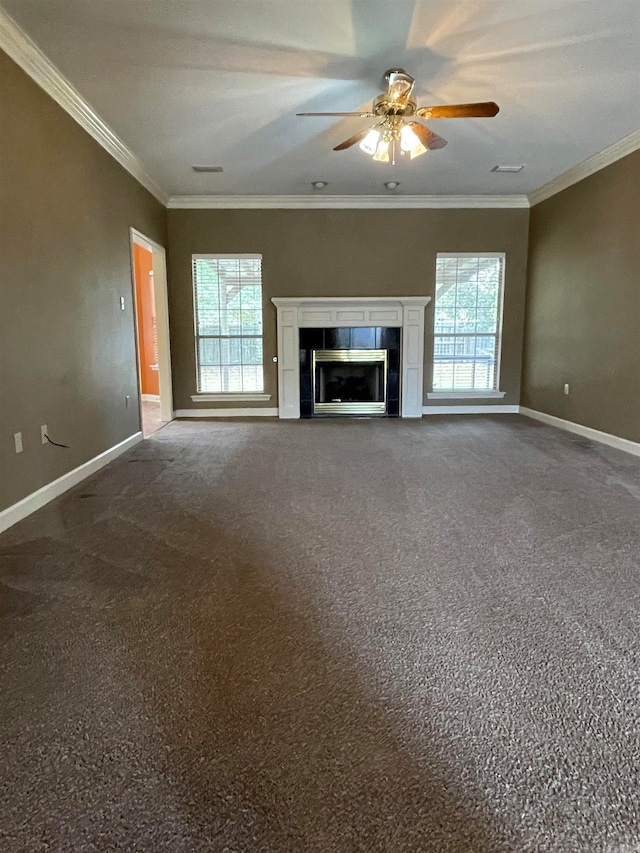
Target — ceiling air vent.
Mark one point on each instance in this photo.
(507, 168)
(207, 168)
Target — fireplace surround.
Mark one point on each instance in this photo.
(404, 316)
(349, 372)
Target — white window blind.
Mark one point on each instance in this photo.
(467, 322)
(228, 323)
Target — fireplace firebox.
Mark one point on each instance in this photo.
(349, 381)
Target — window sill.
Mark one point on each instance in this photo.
(230, 398)
(465, 395)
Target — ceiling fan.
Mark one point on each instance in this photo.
(398, 132)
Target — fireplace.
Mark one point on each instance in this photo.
(393, 324)
(349, 381)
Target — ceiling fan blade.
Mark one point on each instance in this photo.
(400, 87)
(484, 110)
(429, 139)
(363, 115)
(352, 140)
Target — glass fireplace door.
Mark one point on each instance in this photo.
(350, 381)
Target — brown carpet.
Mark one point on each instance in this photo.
(328, 636)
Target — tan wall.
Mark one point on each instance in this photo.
(342, 253)
(67, 356)
(583, 302)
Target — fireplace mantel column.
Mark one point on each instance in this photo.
(412, 364)
(288, 359)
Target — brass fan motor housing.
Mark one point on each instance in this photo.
(384, 106)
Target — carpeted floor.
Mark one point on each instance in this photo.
(365, 635)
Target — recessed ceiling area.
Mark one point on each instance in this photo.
(186, 82)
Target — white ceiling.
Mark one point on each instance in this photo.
(220, 81)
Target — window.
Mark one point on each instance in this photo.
(228, 321)
(467, 323)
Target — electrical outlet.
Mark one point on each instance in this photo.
(43, 434)
(17, 437)
(566, 388)
(122, 303)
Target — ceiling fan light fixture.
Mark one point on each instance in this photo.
(410, 143)
(370, 143)
(396, 134)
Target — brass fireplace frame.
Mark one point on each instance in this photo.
(366, 356)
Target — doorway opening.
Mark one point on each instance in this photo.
(148, 264)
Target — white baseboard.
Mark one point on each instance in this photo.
(586, 432)
(226, 413)
(13, 514)
(470, 410)
(150, 398)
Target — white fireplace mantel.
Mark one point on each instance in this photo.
(407, 312)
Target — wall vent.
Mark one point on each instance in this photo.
(507, 168)
(207, 168)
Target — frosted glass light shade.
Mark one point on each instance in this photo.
(370, 142)
(382, 152)
(410, 143)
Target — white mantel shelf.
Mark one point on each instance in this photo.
(349, 300)
(295, 313)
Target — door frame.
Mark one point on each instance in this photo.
(161, 297)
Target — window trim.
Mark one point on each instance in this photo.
(225, 396)
(486, 394)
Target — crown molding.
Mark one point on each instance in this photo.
(609, 155)
(332, 202)
(26, 53)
